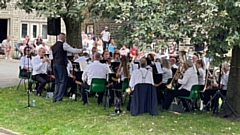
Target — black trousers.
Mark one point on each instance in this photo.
(85, 87)
(175, 93)
(43, 79)
(160, 94)
(118, 94)
(25, 73)
(71, 83)
(210, 93)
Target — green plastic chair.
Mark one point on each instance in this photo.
(194, 94)
(97, 85)
(21, 78)
(125, 85)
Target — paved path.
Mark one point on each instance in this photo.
(8, 72)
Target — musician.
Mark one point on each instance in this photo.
(59, 51)
(149, 64)
(121, 74)
(194, 59)
(71, 79)
(141, 75)
(201, 76)
(223, 86)
(116, 56)
(151, 58)
(26, 65)
(93, 70)
(106, 56)
(189, 79)
(40, 66)
(174, 67)
(167, 74)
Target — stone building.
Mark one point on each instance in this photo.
(17, 23)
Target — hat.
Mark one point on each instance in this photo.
(106, 27)
(189, 63)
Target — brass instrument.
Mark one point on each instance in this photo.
(206, 79)
(178, 72)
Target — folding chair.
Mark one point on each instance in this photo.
(194, 94)
(21, 78)
(97, 85)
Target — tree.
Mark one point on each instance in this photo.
(144, 20)
(212, 23)
(3, 4)
(71, 11)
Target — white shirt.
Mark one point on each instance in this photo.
(122, 74)
(141, 75)
(190, 78)
(68, 48)
(124, 52)
(224, 81)
(6, 43)
(133, 67)
(69, 68)
(201, 76)
(94, 70)
(175, 66)
(25, 62)
(167, 73)
(105, 36)
(90, 45)
(38, 66)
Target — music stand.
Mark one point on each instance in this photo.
(216, 97)
(103, 61)
(114, 66)
(28, 91)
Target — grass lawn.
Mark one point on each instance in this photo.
(73, 118)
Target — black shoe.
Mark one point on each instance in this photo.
(85, 103)
(38, 94)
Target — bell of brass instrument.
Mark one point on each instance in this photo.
(178, 72)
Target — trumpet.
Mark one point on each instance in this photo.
(45, 58)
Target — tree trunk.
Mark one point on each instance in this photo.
(233, 91)
(73, 32)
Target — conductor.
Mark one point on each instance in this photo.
(60, 61)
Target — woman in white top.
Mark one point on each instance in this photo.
(99, 45)
(90, 43)
(122, 73)
(201, 75)
(167, 74)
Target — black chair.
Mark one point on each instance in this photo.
(144, 100)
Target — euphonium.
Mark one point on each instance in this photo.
(170, 85)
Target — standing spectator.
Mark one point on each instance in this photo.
(92, 35)
(60, 61)
(172, 52)
(133, 51)
(90, 43)
(124, 50)
(38, 41)
(84, 41)
(7, 48)
(105, 37)
(112, 47)
(99, 45)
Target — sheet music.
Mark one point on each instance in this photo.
(110, 71)
(159, 67)
(82, 65)
(81, 59)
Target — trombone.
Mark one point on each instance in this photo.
(178, 72)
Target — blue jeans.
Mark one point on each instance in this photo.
(61, 76)
(105, 43)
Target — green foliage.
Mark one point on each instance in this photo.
(3, 3)
(52, 8)
(212, 23)
(72, 118)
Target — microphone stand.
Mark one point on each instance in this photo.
(28, 91)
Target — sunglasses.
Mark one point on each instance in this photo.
(28, 50)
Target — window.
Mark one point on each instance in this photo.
(44, 31)
(24, 30)
(34, 31)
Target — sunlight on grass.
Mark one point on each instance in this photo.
(72, 118)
